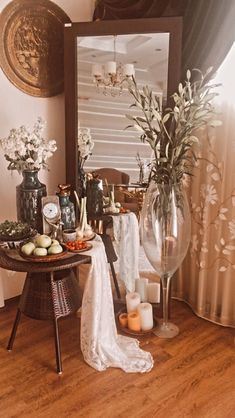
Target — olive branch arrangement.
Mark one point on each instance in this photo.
(173, 132)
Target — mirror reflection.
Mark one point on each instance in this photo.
(104, 66)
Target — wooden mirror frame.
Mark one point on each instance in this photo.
(171, 25)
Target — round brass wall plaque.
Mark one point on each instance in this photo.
(32, 46)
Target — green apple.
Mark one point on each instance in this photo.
(40, 251)
(55, 249)
(43, 241)
(28, 248)
(54, 242)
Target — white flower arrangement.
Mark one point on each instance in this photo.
(85, 145)
(26, 149)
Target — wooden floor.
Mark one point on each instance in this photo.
(193, 375)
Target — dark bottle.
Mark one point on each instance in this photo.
(94, 197)
(66, 206)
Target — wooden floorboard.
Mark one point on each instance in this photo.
(193, 375)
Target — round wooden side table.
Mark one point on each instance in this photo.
(50, 291)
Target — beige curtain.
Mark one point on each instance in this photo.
(206, 280)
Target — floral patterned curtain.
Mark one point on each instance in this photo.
(207, 278)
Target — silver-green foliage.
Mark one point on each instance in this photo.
(172, 132)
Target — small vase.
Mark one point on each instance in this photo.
(66, 207)
(165, 233)
(28, 199)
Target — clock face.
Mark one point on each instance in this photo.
(50, 210)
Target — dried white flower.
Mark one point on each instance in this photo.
(85, 145)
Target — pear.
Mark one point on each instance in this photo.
(43, 241)
(55, 249)
(54, 242)
(40, 252)
(28, 248)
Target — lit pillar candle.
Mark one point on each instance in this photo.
(133, 319)
(132, 301)
(123, 319)
(153, 290)
(141, 288)
(146, 316)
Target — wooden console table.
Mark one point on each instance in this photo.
(50, 291)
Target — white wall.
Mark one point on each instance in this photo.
(17, 108)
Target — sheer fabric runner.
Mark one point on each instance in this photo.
(101, 346)
(126, 244)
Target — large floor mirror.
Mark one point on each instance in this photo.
(149, 50)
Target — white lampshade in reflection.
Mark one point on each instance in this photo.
(110, 67)
(97, 70)
(128, 70)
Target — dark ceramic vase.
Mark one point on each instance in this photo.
(94, 197)
(28, 199)
(67, 212)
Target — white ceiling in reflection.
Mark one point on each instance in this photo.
(105, 115)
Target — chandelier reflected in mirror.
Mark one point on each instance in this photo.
(112, 76)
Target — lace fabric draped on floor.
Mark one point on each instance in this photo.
(101, 346)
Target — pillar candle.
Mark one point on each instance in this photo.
(134, 321)
(112, 196)
(153, 290)
(141, 288)
(146, 316)
(132, 301)
(123, 320)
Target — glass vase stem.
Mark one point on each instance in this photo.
(165, 279)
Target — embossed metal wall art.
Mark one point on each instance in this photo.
(31, 46)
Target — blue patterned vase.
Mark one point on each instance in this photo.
(28, 199)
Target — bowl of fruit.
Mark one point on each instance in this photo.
(43, 248)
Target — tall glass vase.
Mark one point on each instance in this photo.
(165, 228)
(28, 199)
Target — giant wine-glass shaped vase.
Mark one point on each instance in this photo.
(165, 228)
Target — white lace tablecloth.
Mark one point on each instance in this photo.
(126, 243)
(101, 346)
